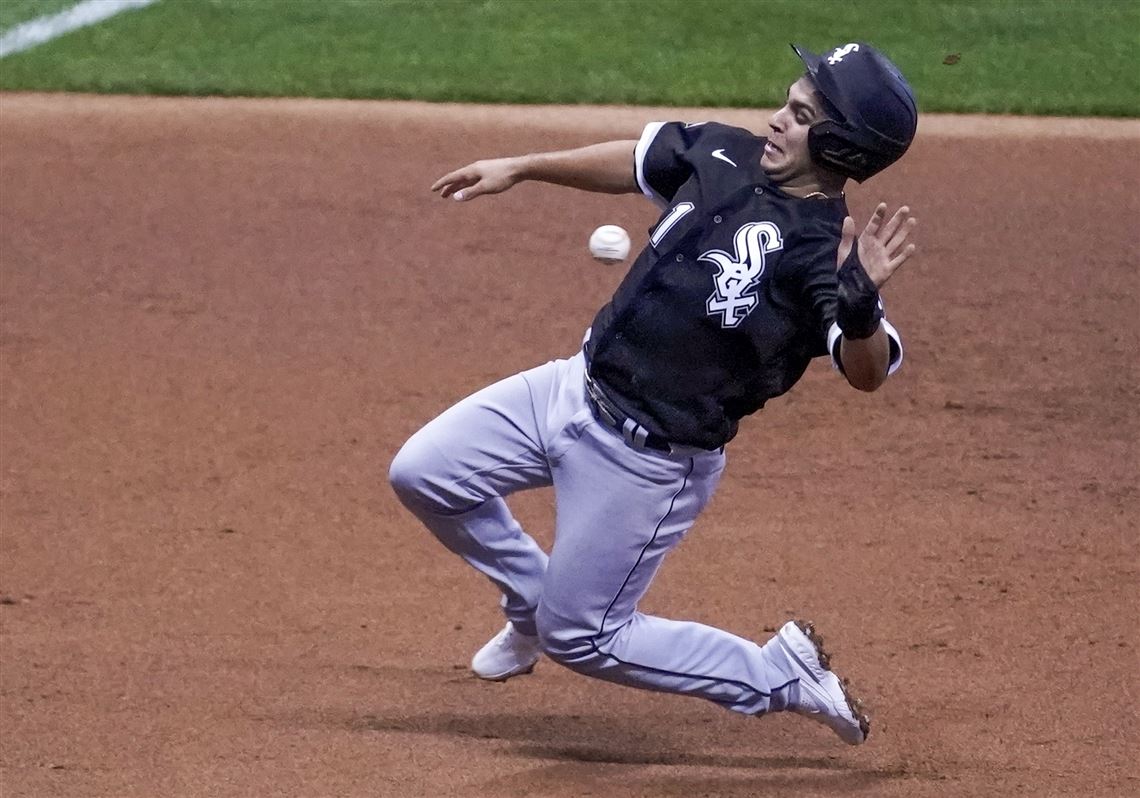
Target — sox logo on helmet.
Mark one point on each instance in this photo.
(871, 111)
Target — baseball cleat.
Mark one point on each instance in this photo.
(823, 697)
(509, 653)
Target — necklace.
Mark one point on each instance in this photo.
(821, 195)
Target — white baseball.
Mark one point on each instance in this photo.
(609, 244)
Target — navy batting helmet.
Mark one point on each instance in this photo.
(871, 111)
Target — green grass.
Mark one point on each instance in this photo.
(1016, 56)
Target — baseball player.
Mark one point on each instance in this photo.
(752, 270)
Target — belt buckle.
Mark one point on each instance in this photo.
(635, 435)
(596, 401)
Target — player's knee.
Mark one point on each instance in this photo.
(421, 478)
(564, 641)
(409, 474)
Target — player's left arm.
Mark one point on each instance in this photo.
(864, 266)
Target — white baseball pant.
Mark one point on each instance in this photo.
(619, 511)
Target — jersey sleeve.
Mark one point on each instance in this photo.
(820, 291)
(661, 161)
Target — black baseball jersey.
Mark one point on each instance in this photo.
(731, 298)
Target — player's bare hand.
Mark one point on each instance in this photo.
(883, 246)
(481, 177)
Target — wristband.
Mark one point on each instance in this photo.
(858, 310)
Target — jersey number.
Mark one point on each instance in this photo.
(737, 275)
(676, 214)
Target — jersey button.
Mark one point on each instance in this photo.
(680, 258)
(718, 219)
(758, 190)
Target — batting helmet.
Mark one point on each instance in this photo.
(871, 113)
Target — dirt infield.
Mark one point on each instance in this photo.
(221, 318)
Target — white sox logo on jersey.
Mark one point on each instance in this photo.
(737, 275)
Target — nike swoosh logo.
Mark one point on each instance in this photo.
(720, 155)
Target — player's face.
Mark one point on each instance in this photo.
(786, 158)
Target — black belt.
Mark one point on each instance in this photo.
(631, 432)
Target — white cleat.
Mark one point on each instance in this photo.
(822, 696)
(509, 653)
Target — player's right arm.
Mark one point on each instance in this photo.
(605, 168)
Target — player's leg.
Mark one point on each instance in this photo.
(454, 473)
(620, 512)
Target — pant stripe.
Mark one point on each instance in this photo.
(640, 557)
(645, 548)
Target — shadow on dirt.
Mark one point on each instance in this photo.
(603, 739)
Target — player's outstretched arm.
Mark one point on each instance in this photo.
(883, 248)
(607, 168)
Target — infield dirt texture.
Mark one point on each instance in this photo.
(221, 318)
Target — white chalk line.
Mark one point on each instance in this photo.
(50, 26)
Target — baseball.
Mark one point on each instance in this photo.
(609, 244)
